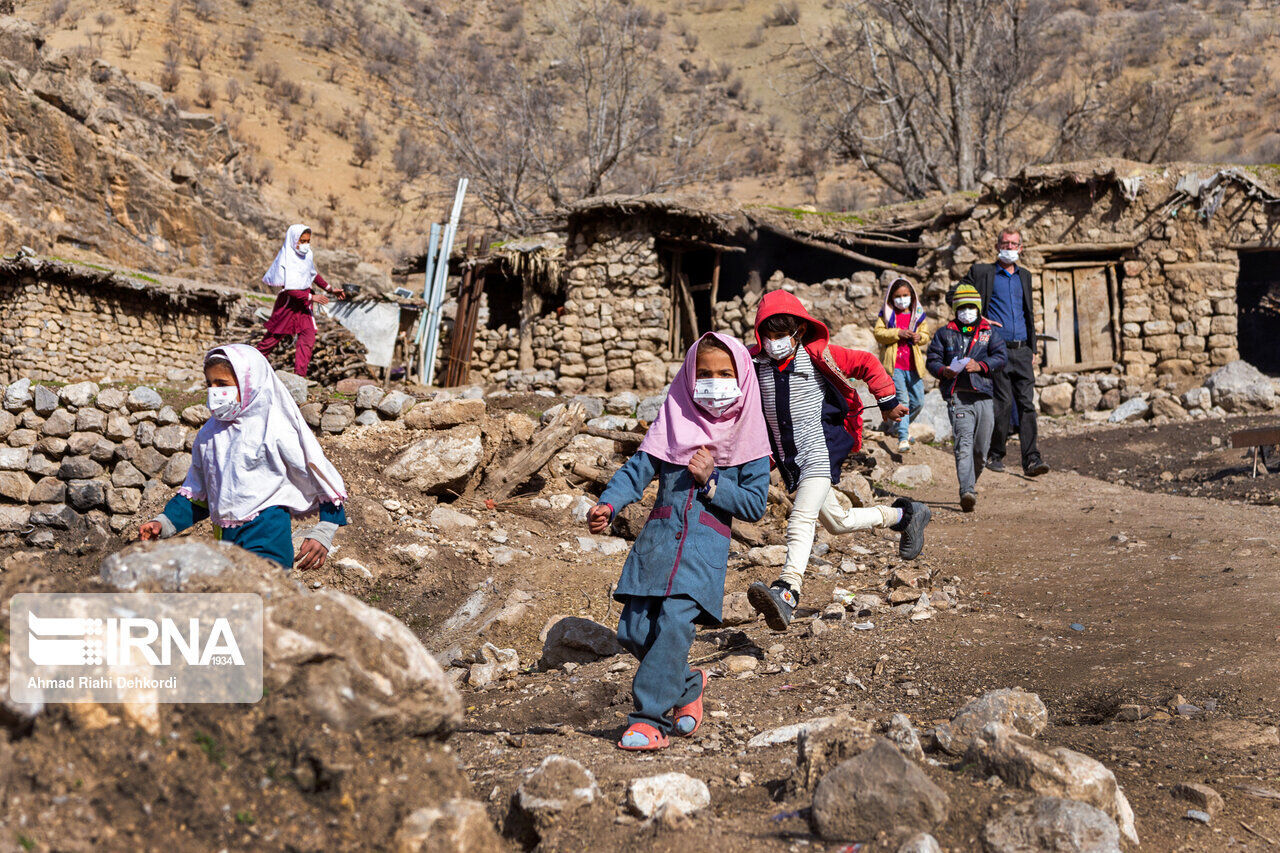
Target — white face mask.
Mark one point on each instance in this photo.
(967, 316)
(224, 403)
(304, 248)
(1007, 256)
(902, 303)
(716, 395)
(779, 348)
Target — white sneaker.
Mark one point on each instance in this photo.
(904, 446)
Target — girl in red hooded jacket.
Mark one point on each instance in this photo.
(814, 415)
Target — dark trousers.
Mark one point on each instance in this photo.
(659, 632)
(1016, 384)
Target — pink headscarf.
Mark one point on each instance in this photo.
(682, 426)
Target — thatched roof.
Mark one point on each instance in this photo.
(686, 216)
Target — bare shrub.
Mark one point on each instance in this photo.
(290, 90)
(249, 46)
(755, 39)
(785, 14)
(206, 10)
(409, 155)
(130, 7)
(268, 74)
(57, 9)
(231, 90)
(334, 72)
(128, 41)
(170, 77)
(366, 144)
(511, 18)
(197, 50)
(207, 92)
(104, 20)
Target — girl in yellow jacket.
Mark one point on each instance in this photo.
(904, 336)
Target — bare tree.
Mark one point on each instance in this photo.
(594, 111)
(924, 92)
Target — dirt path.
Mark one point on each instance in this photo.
(1175, 595)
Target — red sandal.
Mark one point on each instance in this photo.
(654, 739)
(693, 709)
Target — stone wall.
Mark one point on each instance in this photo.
(52, 329)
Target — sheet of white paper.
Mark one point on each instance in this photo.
(957, 364)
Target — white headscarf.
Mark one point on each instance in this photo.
(265, 457)
(293, 269)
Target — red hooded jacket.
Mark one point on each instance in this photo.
(838, 364)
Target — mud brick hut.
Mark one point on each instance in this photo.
(1138, 271)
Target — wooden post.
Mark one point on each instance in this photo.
(473, 317)
(1114, 291)
(460, 337)
(715, 288)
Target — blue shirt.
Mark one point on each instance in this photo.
(1005, 305)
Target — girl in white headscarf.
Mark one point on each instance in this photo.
(293, 271)
(254, 466)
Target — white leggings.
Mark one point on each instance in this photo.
(815, 500)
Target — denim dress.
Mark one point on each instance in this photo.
(683, 548)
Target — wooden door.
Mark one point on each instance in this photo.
(1056, 285)
(1093, 315)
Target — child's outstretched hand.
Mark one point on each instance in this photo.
(701, 466)
(896, 413)
(598, 518)
(311, 555)
(149, 531)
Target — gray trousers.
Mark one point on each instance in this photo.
(972, 419)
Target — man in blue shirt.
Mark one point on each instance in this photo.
(1005, 288)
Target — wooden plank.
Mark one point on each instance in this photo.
(1049, 296)
(1067, 318)
(715, 288)
(1075, 248)
(1113, 292)
(688, 315)
(1079, 367)
(1255, 437)
(1093, 314)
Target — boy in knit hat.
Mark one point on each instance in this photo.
(963, 355)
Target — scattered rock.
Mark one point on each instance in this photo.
(455, 825)
(573, 639)
(1056, 399)
(668, 791)
(17, 396)
(921, 842)
(787, 734)
(442, 414)
(1198, 816)
(1053, 772)
(296, 385)
(1051, 825)
(1011, 707)
(448, 519)
(492, 664)
(1240, 387)
(45, 400)
(337, 417)
(1132, 409)
(902, 734)
(934, 413)
(824, 743)
(557, 787)
(738, 664)
(395, 404)
(1202, 797)
(369, 396)
(877, 791)
(912, 476)
(736, 610)
(769, 555)
(441, 461)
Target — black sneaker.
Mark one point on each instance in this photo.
(915, 516)
(968, 501)
(775, 603)
(994, 464)
(1036, 469)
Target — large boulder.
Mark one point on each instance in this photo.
(341, 662)
(1056, 399)
(934, 413)
(1240, 387)
(573, 639)
(441, 461)
(1051, 825)
(1052, 772)
(877, 791)
(1013, 707)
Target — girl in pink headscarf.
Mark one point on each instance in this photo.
(709, 450)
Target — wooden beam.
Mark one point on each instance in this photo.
(1079, 367)
(1255, 437)
(886, 244)
(547, 442)
(1076, 248)
(1113, 290)
(841, 250)
(687, 244)
(618, 435)
(1254, 247)
(1073, 265)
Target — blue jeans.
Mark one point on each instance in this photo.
(910, 388)
(659, 632)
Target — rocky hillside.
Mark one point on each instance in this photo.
(95, 165)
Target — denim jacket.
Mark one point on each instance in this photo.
(683, 548)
